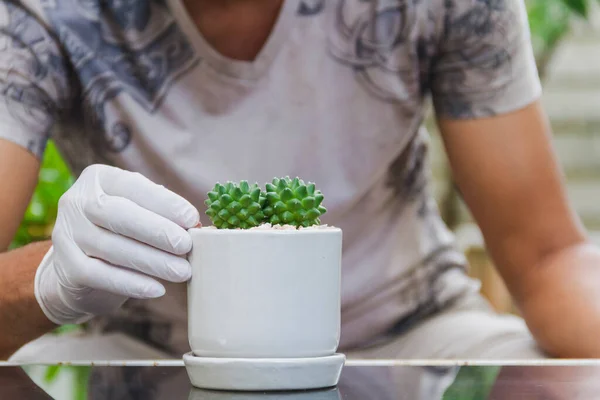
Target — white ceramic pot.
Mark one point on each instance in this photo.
(265, 293)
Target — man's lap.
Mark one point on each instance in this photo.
(469, 329)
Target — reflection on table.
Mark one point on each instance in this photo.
(357, 383)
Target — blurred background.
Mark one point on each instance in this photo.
(566, 39)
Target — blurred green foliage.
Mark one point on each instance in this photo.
(550, 21)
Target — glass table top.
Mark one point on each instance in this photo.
(359, 381)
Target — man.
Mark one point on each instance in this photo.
(153, 101)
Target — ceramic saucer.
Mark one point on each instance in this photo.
(264, 374)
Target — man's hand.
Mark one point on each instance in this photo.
(116, 231)
(509, 177)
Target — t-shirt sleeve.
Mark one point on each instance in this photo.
(485, 64)
(34, 79)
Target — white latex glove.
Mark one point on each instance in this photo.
(115, 232)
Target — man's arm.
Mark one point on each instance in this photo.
(18, 177)
(21, 318)
(509, 177)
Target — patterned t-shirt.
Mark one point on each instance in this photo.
(336, 96)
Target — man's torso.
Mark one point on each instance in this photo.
(335, 96)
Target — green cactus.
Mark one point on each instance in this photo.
(293, 202)
(233, 206)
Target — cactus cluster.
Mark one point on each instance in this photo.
(292, 202)
(284, 201)
(235, 206)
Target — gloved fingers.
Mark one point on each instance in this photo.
(149, 195)
(100, 275)
(125, 252)
(124, 217)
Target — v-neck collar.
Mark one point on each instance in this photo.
(231, 67)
